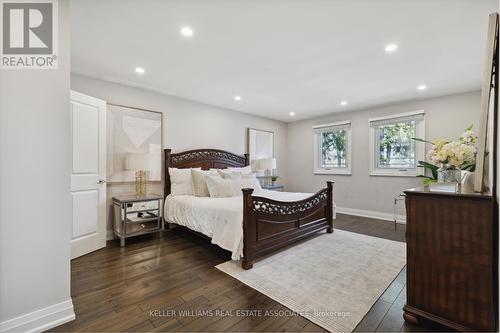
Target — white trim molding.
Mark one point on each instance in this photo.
(338, 123)
(395, 116)
(401, 219)
(418, 115)
(317, 129)
(333, 171)
(40, 320)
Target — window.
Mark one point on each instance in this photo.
(332, 148)
(392, 150)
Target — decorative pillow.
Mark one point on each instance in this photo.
(250, 181)
(181, 181)
(200, 188)
(222, 188)
(229, 174)
(244, 170)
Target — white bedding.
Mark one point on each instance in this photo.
(221, 219)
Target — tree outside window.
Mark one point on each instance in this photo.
(332, 148)
(396, 148)
(392, 150)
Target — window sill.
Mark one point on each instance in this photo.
(378, 173)
(332, 172)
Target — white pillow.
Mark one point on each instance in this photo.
(222, 188)
(250, 181)
(230, 187)
(247, 178)
(200, 188)
(181, 181)
(229, 174)
(244, 170)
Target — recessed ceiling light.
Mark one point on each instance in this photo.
(391, 48)
(422, 87)
(237, 98)
(187, 31)
(343, 103)
(292, 113)
(139, 70)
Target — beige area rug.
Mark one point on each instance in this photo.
(332, 279)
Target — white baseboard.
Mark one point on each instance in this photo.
(40, 320)
(372, 214)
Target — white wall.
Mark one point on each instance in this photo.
(445, 117)
(35, 202)
(187, 124)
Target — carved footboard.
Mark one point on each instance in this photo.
(269, 225)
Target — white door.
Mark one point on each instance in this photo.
(88, 185)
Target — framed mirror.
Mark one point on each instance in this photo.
(484, 173)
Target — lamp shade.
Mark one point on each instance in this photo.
(267, 164)
(138, 161)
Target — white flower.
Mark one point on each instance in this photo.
(456, 153)
(468, 137)
(439, 143)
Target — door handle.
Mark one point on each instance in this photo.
(101, 181)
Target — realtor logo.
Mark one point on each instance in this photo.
(29, 34)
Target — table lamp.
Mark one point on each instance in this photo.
(268, 165)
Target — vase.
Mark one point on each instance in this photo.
(467, 181)
(449, 174)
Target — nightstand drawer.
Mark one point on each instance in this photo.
(141, 227)
(142, 205)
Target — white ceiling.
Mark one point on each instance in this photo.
(280, 56)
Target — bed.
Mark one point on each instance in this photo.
(270, 220)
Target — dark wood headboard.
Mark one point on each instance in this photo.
(201, 158)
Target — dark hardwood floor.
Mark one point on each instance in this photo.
(169, 283)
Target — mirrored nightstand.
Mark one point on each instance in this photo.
(135, 216)
(275, 187)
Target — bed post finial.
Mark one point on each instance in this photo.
(248, 229)
(329, 208)
(168, 163)
(329, 184)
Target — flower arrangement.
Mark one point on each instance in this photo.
(459, 154)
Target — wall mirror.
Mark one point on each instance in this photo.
(487, 136)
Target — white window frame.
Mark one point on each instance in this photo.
(316, 144)
(418, 115)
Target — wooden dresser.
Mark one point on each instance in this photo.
(452, 259)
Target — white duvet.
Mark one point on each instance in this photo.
(221, 219)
